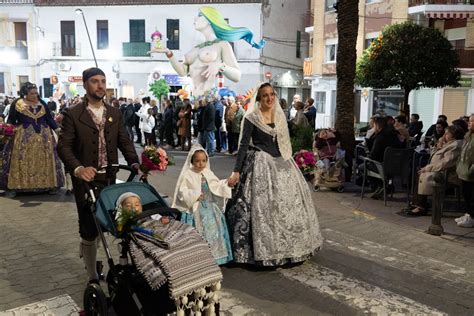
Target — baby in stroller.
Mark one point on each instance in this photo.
(165, 266)
(158, 247)
(330, 160)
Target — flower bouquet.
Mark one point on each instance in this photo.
(154, 159)
(305, 161)
(127, 222)
(6, 132)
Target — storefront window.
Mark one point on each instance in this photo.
(387, 102)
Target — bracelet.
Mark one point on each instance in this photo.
(169, 54)
(222, 68)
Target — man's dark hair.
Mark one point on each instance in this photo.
(401, 118)
(416, 116)
(381, 122)
(443, 117)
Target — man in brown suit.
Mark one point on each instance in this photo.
(92, 131)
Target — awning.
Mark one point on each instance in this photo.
(449, 15)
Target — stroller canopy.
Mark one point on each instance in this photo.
(105, 206)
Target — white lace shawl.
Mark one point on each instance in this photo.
(188, 187)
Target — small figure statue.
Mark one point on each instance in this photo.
(156, 39)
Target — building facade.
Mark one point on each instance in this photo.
(374, 15)
(58, 49)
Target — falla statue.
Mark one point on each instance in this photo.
(215, 55)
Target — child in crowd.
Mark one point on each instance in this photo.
(148, 125)
(326, 143)
(201, 196)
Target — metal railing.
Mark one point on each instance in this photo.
(135, 49)
(16, 2)
(413, 3)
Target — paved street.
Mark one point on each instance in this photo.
(373, 261)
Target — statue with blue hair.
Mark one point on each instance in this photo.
(206, 60)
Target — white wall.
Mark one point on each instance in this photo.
(23, 67)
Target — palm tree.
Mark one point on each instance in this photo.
(347, 29)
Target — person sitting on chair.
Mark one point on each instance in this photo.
(442, 159)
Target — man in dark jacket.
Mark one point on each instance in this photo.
(92, 132)
(218, 122)
(385, 136)
(129, 117)
(310, 112)
(137, 105)
(209, 126)
(416, 126)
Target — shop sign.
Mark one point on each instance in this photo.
(74, 78)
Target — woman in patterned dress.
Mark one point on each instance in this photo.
(30, 160)
(271, 217)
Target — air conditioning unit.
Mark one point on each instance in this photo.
(64, 66)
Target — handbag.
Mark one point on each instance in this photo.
(179, 123)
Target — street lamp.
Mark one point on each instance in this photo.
(79, 11)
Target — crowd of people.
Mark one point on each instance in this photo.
(449, 147)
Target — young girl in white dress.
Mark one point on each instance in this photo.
(201, 196)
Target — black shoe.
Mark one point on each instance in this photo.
(421, 212)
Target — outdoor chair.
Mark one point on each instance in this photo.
(396, 162)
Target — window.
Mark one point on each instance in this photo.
(172, 32)
(368, 42)
(2, 83)
(137, 31)
(21, 81)
(330, 5)
(102, 34)
(320, 101)
(68, 38)
(20, 39)
(298, 44)
(458, 44)
(331, 53)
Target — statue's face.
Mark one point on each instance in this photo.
(200, 23)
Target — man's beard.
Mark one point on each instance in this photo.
(97, 97)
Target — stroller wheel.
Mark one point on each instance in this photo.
(95, 302)
(340, 189)
(316, 188)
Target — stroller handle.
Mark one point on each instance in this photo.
(111, 170)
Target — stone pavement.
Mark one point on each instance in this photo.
(368, 249)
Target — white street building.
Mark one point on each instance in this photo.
(54, 35)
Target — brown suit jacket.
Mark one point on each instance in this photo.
(78, 143)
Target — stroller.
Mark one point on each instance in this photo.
(129, 292)
(329, 171)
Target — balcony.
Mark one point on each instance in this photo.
(466, 58)
(442, 9)
(414, 3)
(136, 49)
(8, 2)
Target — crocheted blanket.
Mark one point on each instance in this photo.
(182, 258)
